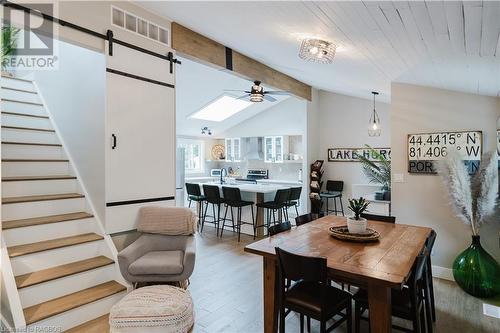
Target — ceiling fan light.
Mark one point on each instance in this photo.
(317, 50)
(256, 98)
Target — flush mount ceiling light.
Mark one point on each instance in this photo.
(222, 108)
(317, 50)
(374, 128)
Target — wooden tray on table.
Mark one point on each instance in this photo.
(342, 233)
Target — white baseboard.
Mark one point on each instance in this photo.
(442, 273)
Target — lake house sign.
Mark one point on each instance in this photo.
(351, 154)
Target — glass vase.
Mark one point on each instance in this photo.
(476, 271)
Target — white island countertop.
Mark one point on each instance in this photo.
(251, 188)
(280, 182)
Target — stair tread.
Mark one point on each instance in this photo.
(46, 197)
(34, 160)
(24, 114)
(57, 272)
(31, 143)
(28, 178)
(23, 249)
(28, 128)
(18, 101)
(98, 325)
(20, 90)
(44, 220)
(68, 302)
(16, 78)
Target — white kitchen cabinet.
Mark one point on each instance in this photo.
(275, 148)
(233, 149)
(140, 127)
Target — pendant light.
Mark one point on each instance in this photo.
(374, 128)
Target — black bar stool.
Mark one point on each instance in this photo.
(334, 190)
(232, 197)
(194, 194)
(278, 204)
(293, 200)
(212, 196)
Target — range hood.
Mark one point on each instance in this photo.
(254, 149)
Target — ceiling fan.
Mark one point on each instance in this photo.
(258, 94)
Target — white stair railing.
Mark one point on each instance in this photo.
(10, 290)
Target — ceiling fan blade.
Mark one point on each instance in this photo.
(243, 97)
(276, 92)
(269, 98)
(237, 90)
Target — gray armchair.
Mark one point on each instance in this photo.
(158, 258)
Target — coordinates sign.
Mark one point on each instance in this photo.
(425, 149)
(351, 154)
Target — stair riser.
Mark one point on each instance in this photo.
(18, 84)
(64, 255)
(80, 315)
(56, 288)
(15, 135)
(32, 152)
(20, 95)
(14, 169)
(37, 110)
(38, 233)
(39, 187)
(26, 210)
(22, 121)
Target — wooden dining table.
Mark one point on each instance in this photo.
(377, 266)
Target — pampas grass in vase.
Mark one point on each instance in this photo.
(473, 198)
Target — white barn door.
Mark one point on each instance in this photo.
(140, 121)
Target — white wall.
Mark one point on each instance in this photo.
(343, 123)
(422, 199)
(75, 96)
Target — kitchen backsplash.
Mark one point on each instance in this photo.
(281, 171)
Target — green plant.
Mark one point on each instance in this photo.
(378, 171)
(9, 40)
(358, 206)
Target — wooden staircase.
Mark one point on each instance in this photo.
(61, 261)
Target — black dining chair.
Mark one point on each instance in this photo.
(306, 218)
(294, 199)
(278, 205)
(380, 218)
(212, 197)
(310, 294)
(407, 303)
(194, 194)
(334, 189)
(280, 227)
(232, 197)
(429, 244)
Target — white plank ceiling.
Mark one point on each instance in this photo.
(445, 44)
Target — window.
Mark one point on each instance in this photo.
(193, 155)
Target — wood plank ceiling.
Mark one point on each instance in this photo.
(445, 44)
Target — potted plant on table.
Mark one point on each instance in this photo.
(378, 171)
(356, 224)
(474, 198)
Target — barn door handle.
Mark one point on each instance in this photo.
(113, 144)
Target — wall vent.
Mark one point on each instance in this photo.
(140, 26)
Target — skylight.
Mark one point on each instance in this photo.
(222, 108)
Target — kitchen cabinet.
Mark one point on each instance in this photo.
(233, 149)
(275, 148)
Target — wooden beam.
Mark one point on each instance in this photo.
(195, 46)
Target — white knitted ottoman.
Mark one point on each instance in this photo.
(160, 308)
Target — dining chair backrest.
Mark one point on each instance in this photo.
(231, 194)
(280, 227)
(429, 242)
(380, 218)
(417, 273)
(193, 189)
(212, 193)
(282, 196)
(303, 219)
(296, 267)
(295, 193)
(334, 185)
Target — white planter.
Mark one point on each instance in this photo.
(356, 226)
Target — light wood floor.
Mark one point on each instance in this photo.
(226, 287)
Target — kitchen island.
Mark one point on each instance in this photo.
(252, 192)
